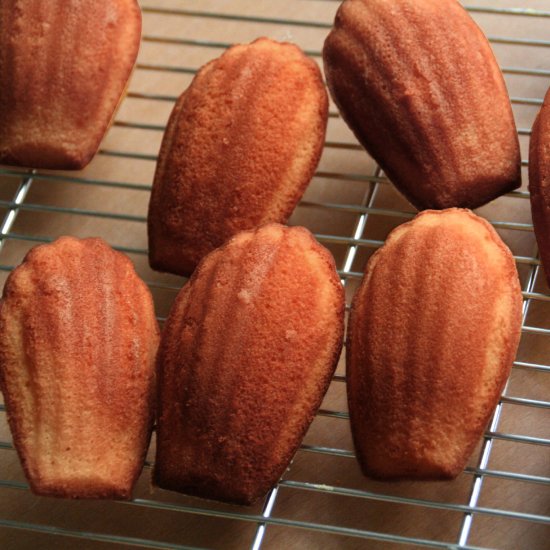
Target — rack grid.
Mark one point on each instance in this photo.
(502, 500)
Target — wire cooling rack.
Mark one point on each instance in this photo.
(502, 500)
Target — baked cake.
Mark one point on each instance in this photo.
(240, 148)
(64, 65)
(78, 338)
(433, 332)
(246, 356)
(539, 181)
(417, 82)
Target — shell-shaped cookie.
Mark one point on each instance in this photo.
(434, 329)
(64, 66)
(246, 356)
(539, 181)
(417, 82)
(78, 338)
(241, 146)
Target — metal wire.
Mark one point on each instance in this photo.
(353, 243)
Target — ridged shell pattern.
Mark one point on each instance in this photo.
(239, 150)
(246, 356)
(539, 181)
(77, 368)
(417, 82)
(433, 333)
(64, 65)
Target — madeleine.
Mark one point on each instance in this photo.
(246, 356)
(417, 82)
(78, 338)
(64, 67)
(539, 181)
(241, 146)
(433, 332)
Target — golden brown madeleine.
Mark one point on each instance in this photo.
(433, 333)
(417, 82)
(64, 65)
(78, 338)
(246, 356)
(539, 181)
(240, 148)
